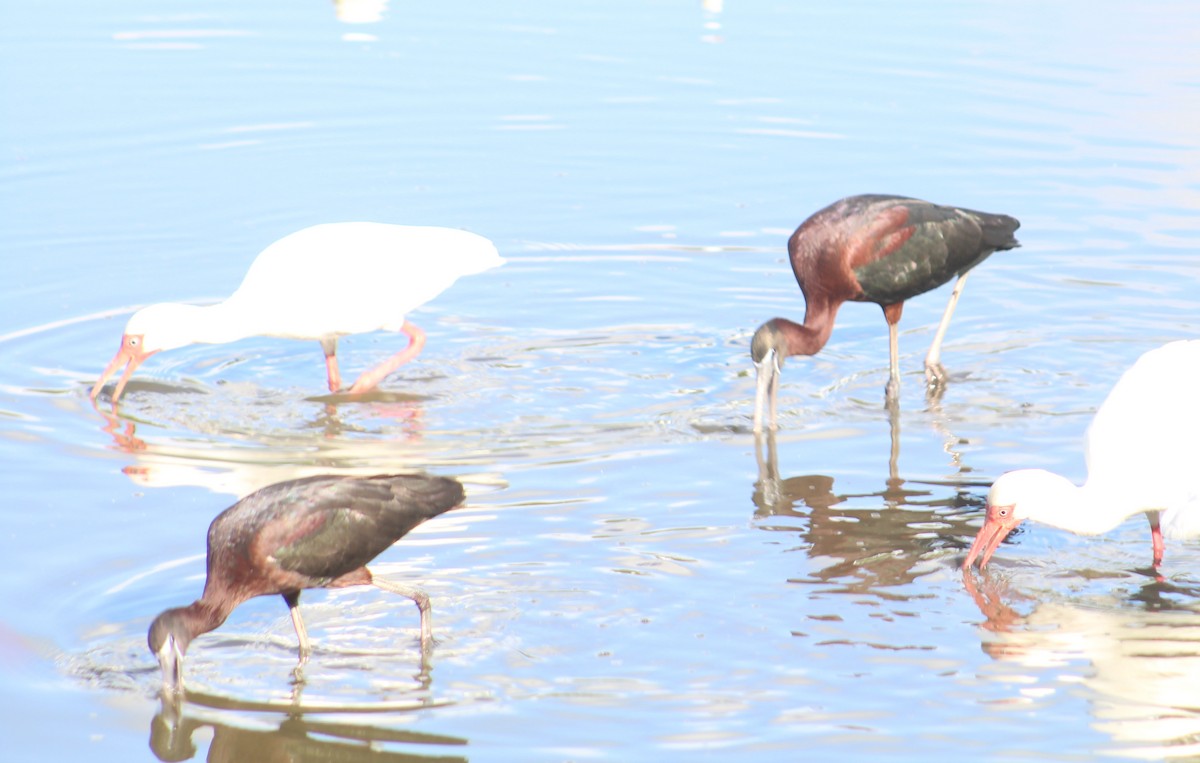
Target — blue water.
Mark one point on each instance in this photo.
(628, 580)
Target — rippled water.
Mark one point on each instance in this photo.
(633, 576)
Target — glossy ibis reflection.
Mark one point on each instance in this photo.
(298, 737)
(869, 539)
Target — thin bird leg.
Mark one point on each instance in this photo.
(773, 394)
(370, 379)
(1156, 538)
(420, 599)
(935, 373)
(293, 602)
(329, 345)
(892, 390)
(892, 314)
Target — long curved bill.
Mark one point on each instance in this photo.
(171, 662)
(130, 356)
(767, 389)
(995, 529)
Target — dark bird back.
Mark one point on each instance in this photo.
(888, 249)
(325, 527)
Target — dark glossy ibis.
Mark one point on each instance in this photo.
(881, 249)
(1141, 450)
(317, 532)
(318, 283)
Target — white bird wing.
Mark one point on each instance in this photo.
(1144, 443)
(346, 278)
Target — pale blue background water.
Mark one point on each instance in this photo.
(625, 582)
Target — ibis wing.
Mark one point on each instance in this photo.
(339, 541)
(934, 245)
(350, 521)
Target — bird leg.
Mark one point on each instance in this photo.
(1156, 538)
(892, 314)
(935, 373)
(329, 345)
(370, 379)
(420, 599)
(773, 393)
(293, 601)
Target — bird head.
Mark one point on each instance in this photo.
(1013, 498)
(769, 340)
(768, 349)
(168, 639)
(153, 328)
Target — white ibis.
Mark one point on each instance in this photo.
(319, 283)
(881, 249)
(316, 532)
(1142, 451)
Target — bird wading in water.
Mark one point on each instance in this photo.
(873, 248)
(316, 532)
(318, 283)
(1142, 453)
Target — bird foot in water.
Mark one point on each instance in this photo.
(935, 382)
(935, 375)
(891, 391)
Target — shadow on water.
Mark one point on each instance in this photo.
(878, 545)
(296, 738)
(1142, 651)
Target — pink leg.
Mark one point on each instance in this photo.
(1156, 538)
(370, 379)
(329, 345)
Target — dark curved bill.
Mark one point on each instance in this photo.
(766, 393)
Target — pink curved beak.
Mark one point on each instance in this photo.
(131, 356)
(999, 522)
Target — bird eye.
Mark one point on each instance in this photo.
(1003, 512)
(133, 341)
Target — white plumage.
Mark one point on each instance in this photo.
(319, 283)
(1142, 451)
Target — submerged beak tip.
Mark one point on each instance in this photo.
(171, 664)
(766, 380)
(128, 357)
(987, 541)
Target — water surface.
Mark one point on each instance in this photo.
(633, 576)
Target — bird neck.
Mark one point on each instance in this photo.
(170, 325)
(807, 339)
(220, 323)
(202, 616)
(1084, 509)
